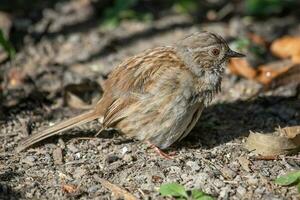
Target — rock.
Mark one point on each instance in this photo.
(241, 191)
(201, 179)
(57, 156)
(252, 180)
(128, 158)
(29, 160)
(79, 173)
(228, 173)
(224, 193)
(111, 158)
(72, 148)
(194, 165)
(218, 183)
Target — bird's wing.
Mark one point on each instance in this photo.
(150, 73)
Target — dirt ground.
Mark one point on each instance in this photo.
(59, 57)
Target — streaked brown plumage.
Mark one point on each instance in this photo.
(158, 95)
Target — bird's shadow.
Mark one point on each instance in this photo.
(6, 192)
(224, 122)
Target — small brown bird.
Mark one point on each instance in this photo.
(157, 96)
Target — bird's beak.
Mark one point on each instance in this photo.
(232, 54)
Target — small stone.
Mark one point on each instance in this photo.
(252, 180)
(79, 173)
(128, 158)
(218, 183)
(57, 156)
(72, 148)
(124, 150)
(111, 158)
(93, 189)
(228, 173)
(245, 163)
(61, 143)
(241, 191)
(77, 156)
(201, 179)
(29, 160)
(194, 165)
(224, 193)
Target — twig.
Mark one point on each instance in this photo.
(117, 191)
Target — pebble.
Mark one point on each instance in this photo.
(111, 158)
(228, 173)
(77, 156)
(201, 179)
(29, 160)
(241, 191)
(57, 156)
(218, 183)
(128, 158)
(72, 148)
(79, 173)
(224, 193)
(252, 180)
(194, 165)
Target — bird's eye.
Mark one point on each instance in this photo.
(215, 52)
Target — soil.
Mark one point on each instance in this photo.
(56, 54)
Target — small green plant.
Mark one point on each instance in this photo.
(123, 10)
(6, 45)
(267, 7)
(178, 192)
(292, 178)
(244, 44)
(185, 6)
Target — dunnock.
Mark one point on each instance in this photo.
(157, 96)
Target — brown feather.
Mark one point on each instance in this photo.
(58, 128)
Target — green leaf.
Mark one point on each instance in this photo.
(199, 195)
(298, 187)
(288, 179)
(6, 45)
(173, 189)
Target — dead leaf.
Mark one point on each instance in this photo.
(257, 39)
(117, 191)
(74, 101)
(287, 47)
(266, 73)
(15, 77)
(242, 67)
(68, 188)
(270, 144)
(292, 132)
(291, 76)
(83, 95)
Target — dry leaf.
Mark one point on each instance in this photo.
(257, 39)
(15, 77)
(74, 101)
(83, 95)
(266, 73)
(287, 47)
(68, 188)
(292, 132)
(290, 76)
(270, 144)
(117, 191)
(241, 66)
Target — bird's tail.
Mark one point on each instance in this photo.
(56, 129)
